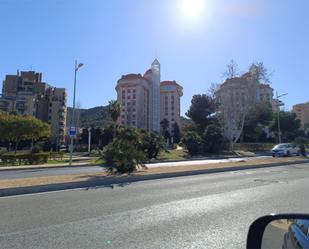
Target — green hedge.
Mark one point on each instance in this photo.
(56, 155)
(24, 158)
(254, 146)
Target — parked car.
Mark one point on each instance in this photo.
(297, 236)
(286, 149)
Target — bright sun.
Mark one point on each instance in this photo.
(192, 8)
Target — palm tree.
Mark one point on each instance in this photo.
(114, 112)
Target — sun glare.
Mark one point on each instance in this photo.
(192, 8)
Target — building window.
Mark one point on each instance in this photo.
(133, 123)
(123, 92)
(166, 114)
(134, 109)
(134, 96)
(133, 116)
(129, 97)
(129, 90)
(129, 103)
(123, 116)
(134, 91)
(122, 122)
(173, 114)
(123, 103)
(133, 103)
(123, 110)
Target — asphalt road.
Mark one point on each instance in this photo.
(26, 173)
(204, 211)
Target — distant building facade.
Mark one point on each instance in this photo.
(28, 95)
(302, 113)
(146, 101)
(236, 95)
(243, 90)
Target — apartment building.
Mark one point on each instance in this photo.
(170, 93)
(236, 95)
(28, 95)
(302, 113)
(146, 101)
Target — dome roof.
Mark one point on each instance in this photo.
(149, 71)
(131, 76)
(169, 83)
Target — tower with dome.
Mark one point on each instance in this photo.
(146, 101)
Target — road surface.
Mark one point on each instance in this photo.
(204, 211)
(26, 173)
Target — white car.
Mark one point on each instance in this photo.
(286, 149)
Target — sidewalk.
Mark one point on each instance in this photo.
(52, 183)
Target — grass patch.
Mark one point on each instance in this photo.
(173, 155)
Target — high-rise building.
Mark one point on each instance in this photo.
(145, 101)
(236, 95)
(28, 95)
(170, 102)
(302, 113)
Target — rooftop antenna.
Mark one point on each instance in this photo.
(31, 67)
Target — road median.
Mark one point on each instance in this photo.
(53, 183)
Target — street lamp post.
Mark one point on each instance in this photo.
(278, 114)
(89, 140)
(77, 66)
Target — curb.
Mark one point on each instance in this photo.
(109, 181)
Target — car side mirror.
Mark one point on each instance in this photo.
(282, 231)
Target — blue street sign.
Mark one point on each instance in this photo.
(72, 131)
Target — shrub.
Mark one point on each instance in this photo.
(56, 155)
(212, 139)
(193, 142)
(151, 143)
(24, 158)
(123, 156)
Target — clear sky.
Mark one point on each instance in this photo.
(116, 37)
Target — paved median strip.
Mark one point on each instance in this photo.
(104, 178)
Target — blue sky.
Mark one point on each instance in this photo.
(116, 37)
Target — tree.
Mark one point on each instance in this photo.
(201, 110)
(15, 128)
(107, 135)
(176, 133)
(164, 125)
(131, 148)
(192, 141)
(289, 125)
(234, 105)
(212, 139)
(231, 70)
(151, 143)
(257, 121)
(114, 111)
(260, 72)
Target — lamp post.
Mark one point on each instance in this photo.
(73, 134)
(278, 114)
(89, 140)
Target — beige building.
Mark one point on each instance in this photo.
(170, 102)
(302, 113)
(235, 96)
(145, 101)
(28, 95)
